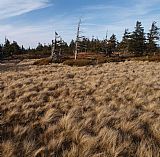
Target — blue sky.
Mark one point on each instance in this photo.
(32, 21)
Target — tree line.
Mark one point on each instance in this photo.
(137, 42)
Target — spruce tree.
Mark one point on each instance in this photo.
(112, 43)
(152, 37)
(137, 42)
(72, 46)
(1, 52)
(124, 44)
(7, 48)
(22, 49)
(15, 48)
(39, 47)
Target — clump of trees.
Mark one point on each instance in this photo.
(137, 42)
(153, 37)
(10, 49)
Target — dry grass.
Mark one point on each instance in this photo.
(109, 110)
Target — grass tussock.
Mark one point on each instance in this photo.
(109, 110)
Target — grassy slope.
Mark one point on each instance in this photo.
(102, 111)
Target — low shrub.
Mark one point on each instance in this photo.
(44, 61)
(115, 59)
(155, 58)
(78, 62)
(101, 60)
(93, 61)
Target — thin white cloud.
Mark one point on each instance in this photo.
(11, 8)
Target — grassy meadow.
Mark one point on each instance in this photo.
(105, 110)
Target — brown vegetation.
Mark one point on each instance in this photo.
(85, 59)
(78, 62)
(43, 61)
(152, 58)
(109, 110)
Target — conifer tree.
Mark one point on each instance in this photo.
(15, 48)
(124, 44)
(1, 53)
(39, 47)
(7, 48)
(152, 37)
(137, 42)
(23, 49)
(112, 43)
(72, 46)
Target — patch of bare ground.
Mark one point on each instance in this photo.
(109, 110)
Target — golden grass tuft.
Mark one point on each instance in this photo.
(106, 110)
(8, 149)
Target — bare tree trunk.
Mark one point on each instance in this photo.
(77, 39)
(56, 50)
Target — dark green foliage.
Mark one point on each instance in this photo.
(153, 36)
(137, 43)
(22, 48)
(1, 53)
(72, 46)
(39, 47)
(15, 48)
(124, 44)
(84, 45)
(40, 51)
(93, 45)
(7, 50)
(96, 45)
(10, 49)
(112, 43)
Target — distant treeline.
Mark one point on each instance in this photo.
(137, 42)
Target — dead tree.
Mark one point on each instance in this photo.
(106, 43)
(79, 41)
(56, 48)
